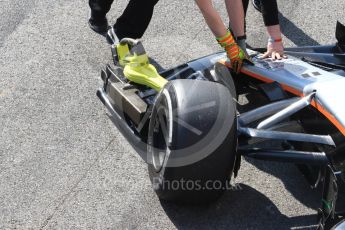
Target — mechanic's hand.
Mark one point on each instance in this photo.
(275, 50)
(237, 56)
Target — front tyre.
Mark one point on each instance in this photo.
(192, 141)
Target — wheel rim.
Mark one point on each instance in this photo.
(160, 139)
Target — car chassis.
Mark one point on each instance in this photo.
(294, 103)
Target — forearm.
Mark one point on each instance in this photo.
(274, 31)
(270, 12)
(222, 34)
(270, 15)
(212, 17)
(236, 16)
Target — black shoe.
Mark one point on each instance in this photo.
(111, 37)
(257, 5)
(99, 25)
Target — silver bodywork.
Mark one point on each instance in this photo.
(305, 79)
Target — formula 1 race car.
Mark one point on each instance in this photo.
(193, 123)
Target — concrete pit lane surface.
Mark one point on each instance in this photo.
(63, 165)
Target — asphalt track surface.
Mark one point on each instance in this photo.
(63, 165)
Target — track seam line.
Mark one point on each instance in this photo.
(63, 198)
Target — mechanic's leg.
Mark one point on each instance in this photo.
(98, 21)
(99, 8)
(257, 5)
(135, 19)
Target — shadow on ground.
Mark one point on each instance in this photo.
(243, 209)
(295, 34)
(293, 180)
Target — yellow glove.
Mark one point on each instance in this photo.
(236, 55)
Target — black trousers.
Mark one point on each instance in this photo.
(134, 20)
(269, 9)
